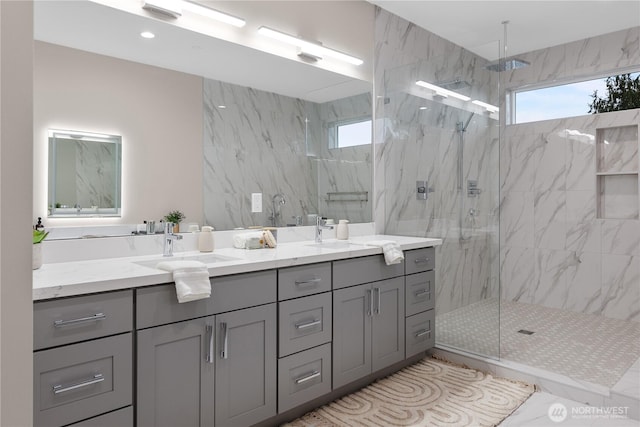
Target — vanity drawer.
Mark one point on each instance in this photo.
(294, 282)
(68, 320)
(79, 381)
(304, 323)
(304, 376)
(120, 418)
(420, 332)
(158, 305)
(419, 260)
(356, 271)
(420, 292)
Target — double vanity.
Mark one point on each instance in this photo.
(285, 330)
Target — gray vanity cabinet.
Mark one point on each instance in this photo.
(246, 389)
(368, 332)
(176, 374)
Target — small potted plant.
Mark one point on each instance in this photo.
(38, 237)
(175, 217)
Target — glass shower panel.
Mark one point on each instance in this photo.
(435, 132)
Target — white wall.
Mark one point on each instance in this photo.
(16, 312)
(157, 112)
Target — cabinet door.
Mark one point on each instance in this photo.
(387, 343)
(351, 334)
(246, 366)
(176, 374)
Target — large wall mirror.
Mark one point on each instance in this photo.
(84, 174)
(268, 124)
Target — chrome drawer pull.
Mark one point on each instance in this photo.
(96, 317)
(309, 282)
(421, 292)
(309, 324)
(422, 260)
(209, 357)
(224, 354)
(376, 291)
(370, 296)
(423, 333)
(97, 378)
(314, 374)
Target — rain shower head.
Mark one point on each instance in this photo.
(509, 64)
(456, 85)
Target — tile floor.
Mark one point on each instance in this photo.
(544, 409)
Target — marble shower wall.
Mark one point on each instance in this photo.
(413, 144)
(555, 249)
(267, 143)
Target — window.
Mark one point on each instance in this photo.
(351, 133)
(556, 102)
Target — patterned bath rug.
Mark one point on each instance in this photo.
(429, 393)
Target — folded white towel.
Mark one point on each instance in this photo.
(391, 250)
(191, 278)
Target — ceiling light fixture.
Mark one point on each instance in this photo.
(490, 108)
(174, 8)
(213, 14)
(442, 91)
(147, 35)
(170, 8)
(309, 49)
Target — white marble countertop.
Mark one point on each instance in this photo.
(83, 277)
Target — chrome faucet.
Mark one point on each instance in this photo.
(277, 202)
(169, 237)
(321, 225)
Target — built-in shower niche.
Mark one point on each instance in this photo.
(617, 173)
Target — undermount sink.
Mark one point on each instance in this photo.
(205, 258)
(334, 244)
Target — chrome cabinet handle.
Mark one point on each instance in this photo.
(95, 318)
(97, 378)
(224, 354)
(304, 379)
(376, 291)
(421, 292)
(421, 260)
(309, 282)
(209, 358)
(422, 333)
(370, 296)
(314, 322)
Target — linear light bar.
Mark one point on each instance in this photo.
(442, 91)
(166, 7)
(313, 49)
(488, 107)
(213, 14)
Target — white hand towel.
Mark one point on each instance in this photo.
(391, 250)
(191, 278)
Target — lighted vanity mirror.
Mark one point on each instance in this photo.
(84, 174)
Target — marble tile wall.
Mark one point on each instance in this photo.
(413, 144)
(556, 249)
(268, 143)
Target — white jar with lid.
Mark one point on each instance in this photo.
(205, 239)
(342, 233)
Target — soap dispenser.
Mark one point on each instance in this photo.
(205, 239)
(342, 233)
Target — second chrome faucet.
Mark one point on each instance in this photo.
(169, 237)
(321, 225)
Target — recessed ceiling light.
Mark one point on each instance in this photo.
(147, 34)
(422, 108)
(222, 106)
